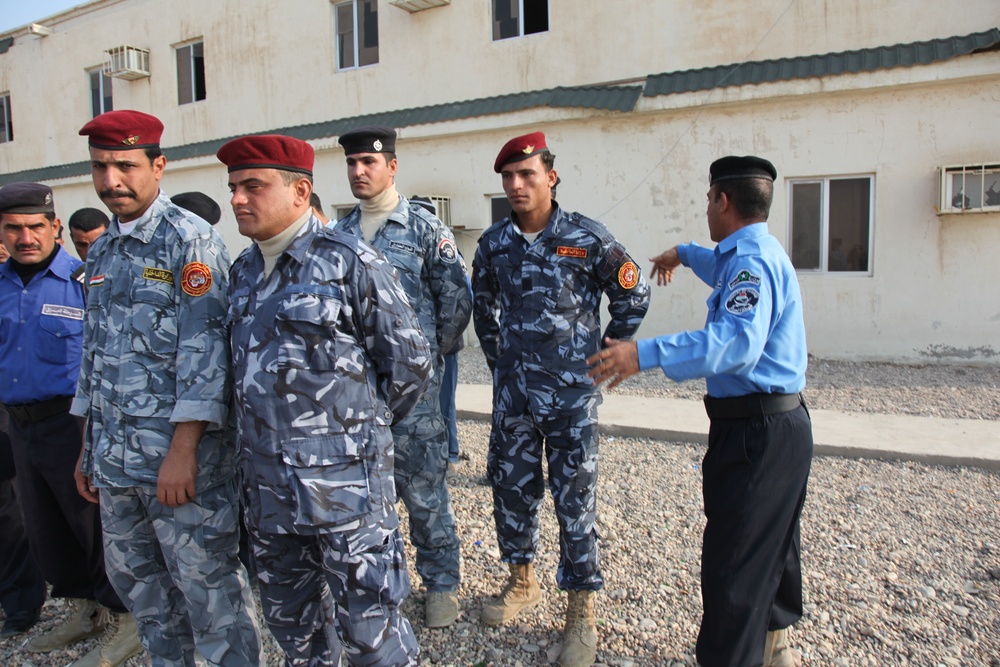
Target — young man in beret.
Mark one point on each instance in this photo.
(752, 352)
(85, 225)
(328, 355)
(154, 389)
(423, 251)
(538, 277)
(41, 312)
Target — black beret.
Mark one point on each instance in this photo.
(26, 198)
(425, 202)
(369, 139)
(200, 204)
(748, 166)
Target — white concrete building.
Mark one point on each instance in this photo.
(876, 115)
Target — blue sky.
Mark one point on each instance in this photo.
(15, 13)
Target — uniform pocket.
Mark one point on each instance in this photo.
(329, 479)
(154, 323)
(60, 339)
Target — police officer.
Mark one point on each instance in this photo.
(753, 353)
(328, 355)
(154, 387)
(85, 225)
(41, 319)
(423, 251)
(538, 277)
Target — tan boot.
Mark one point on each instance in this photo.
(579, 647)
(85, 621)
(520, 592)
(119, 642)
(777, 652)
(440, 609)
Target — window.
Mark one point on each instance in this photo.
(191, 73)
(343, 211)
(499, 208)
(357, 33)
(970, 188)
(100, 92)
(515, 18)
(830, 224)
(6, 125)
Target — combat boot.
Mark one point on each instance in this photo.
(520, 592)
(579, 647)
(119, 642)
(440, 609)
(85, 621)
(777, 652)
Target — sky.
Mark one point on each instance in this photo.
(15, 13)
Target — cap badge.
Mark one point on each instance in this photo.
(377, 145)
(131, 141)
(48, 199)
(528, 150)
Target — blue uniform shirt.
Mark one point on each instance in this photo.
(754, 340)
(41, 332)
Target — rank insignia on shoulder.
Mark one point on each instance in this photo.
(196, 279)
(744, 276)
(447, 251)
(628, 275)
(160, 275)
(97, 280)
(567, 251)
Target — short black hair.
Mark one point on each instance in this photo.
(315, 202)
(152, 153)
(549, 160)
(88, 219)
(751, 197)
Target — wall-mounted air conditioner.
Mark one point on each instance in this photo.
(969, 188)
(418, 5)
(127, 62)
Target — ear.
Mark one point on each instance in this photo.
(552, 177)
(393, 165)
(158, 166)
(303, 188)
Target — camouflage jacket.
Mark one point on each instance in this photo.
(537, 308)
(327, 355)
(155, 351)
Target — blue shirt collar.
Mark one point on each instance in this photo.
(751, 231)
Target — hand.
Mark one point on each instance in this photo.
(615, 363)
(83, 485)
(175, 482)
(664, 265)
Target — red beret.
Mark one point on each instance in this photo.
(267, 151)
(123, 131)
(520, 148)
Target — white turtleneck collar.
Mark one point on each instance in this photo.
(376, 210)
(272, 248)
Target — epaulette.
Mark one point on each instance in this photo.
(78, 274)
(495, 226)
(593, 226)
(189, 226)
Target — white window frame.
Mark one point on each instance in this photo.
(6, 124)
(193, 92)
(342, 211)
(356, 32)
(824, 232)
(103, 79)
(520, 20)
(984, 178)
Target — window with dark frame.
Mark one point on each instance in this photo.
(357, 33)
(830, 224)
(100, 93)
(499, 208)
(191, 73)
(6, 125)
(516, 18)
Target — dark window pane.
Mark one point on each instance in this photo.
(505, 19)
(6, 124)
(184, 83)
(368, 18)
(807, 208)
(198, 69)
(536, 16)
(345, 35)
(106, 87)
(850, 205)
(499, 209)
(95, 93)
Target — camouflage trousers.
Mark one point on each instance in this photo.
(569, 442)
(421, 474)
(177, 571)
(321, 592)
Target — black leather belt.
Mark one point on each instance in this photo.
(751, 405)
(36, 412)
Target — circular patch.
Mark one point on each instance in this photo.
(447, 251)
(196, 279)
(742, 300)
(628, 275)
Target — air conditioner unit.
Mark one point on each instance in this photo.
(127, 62)
(418, 5)
(969, 188)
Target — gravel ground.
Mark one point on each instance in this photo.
(901, 561)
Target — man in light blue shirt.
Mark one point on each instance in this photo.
(752, 353)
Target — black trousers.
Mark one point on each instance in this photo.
(755, 476)
(64, 530)
(22, 586)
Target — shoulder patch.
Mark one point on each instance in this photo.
(196, 279)
(447, 252)
(744, 276)
(742, 300)
(628, 275)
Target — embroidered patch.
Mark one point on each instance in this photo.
(162, 275)
(744, 276)
(628, 275)
(567, 251)
(97, 280)
(67, 312)
(742, 300)
(447, 251)
(405, 247)
(196, 279)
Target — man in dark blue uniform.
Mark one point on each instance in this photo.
(41, 330)
(752, 352)
(538, 278)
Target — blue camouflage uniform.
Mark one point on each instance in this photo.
(156, 354)
(328, 355)
(751, 350)
(422, 250)
(537, 315)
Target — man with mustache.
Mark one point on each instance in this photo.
(423, 251)
(154, 390)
